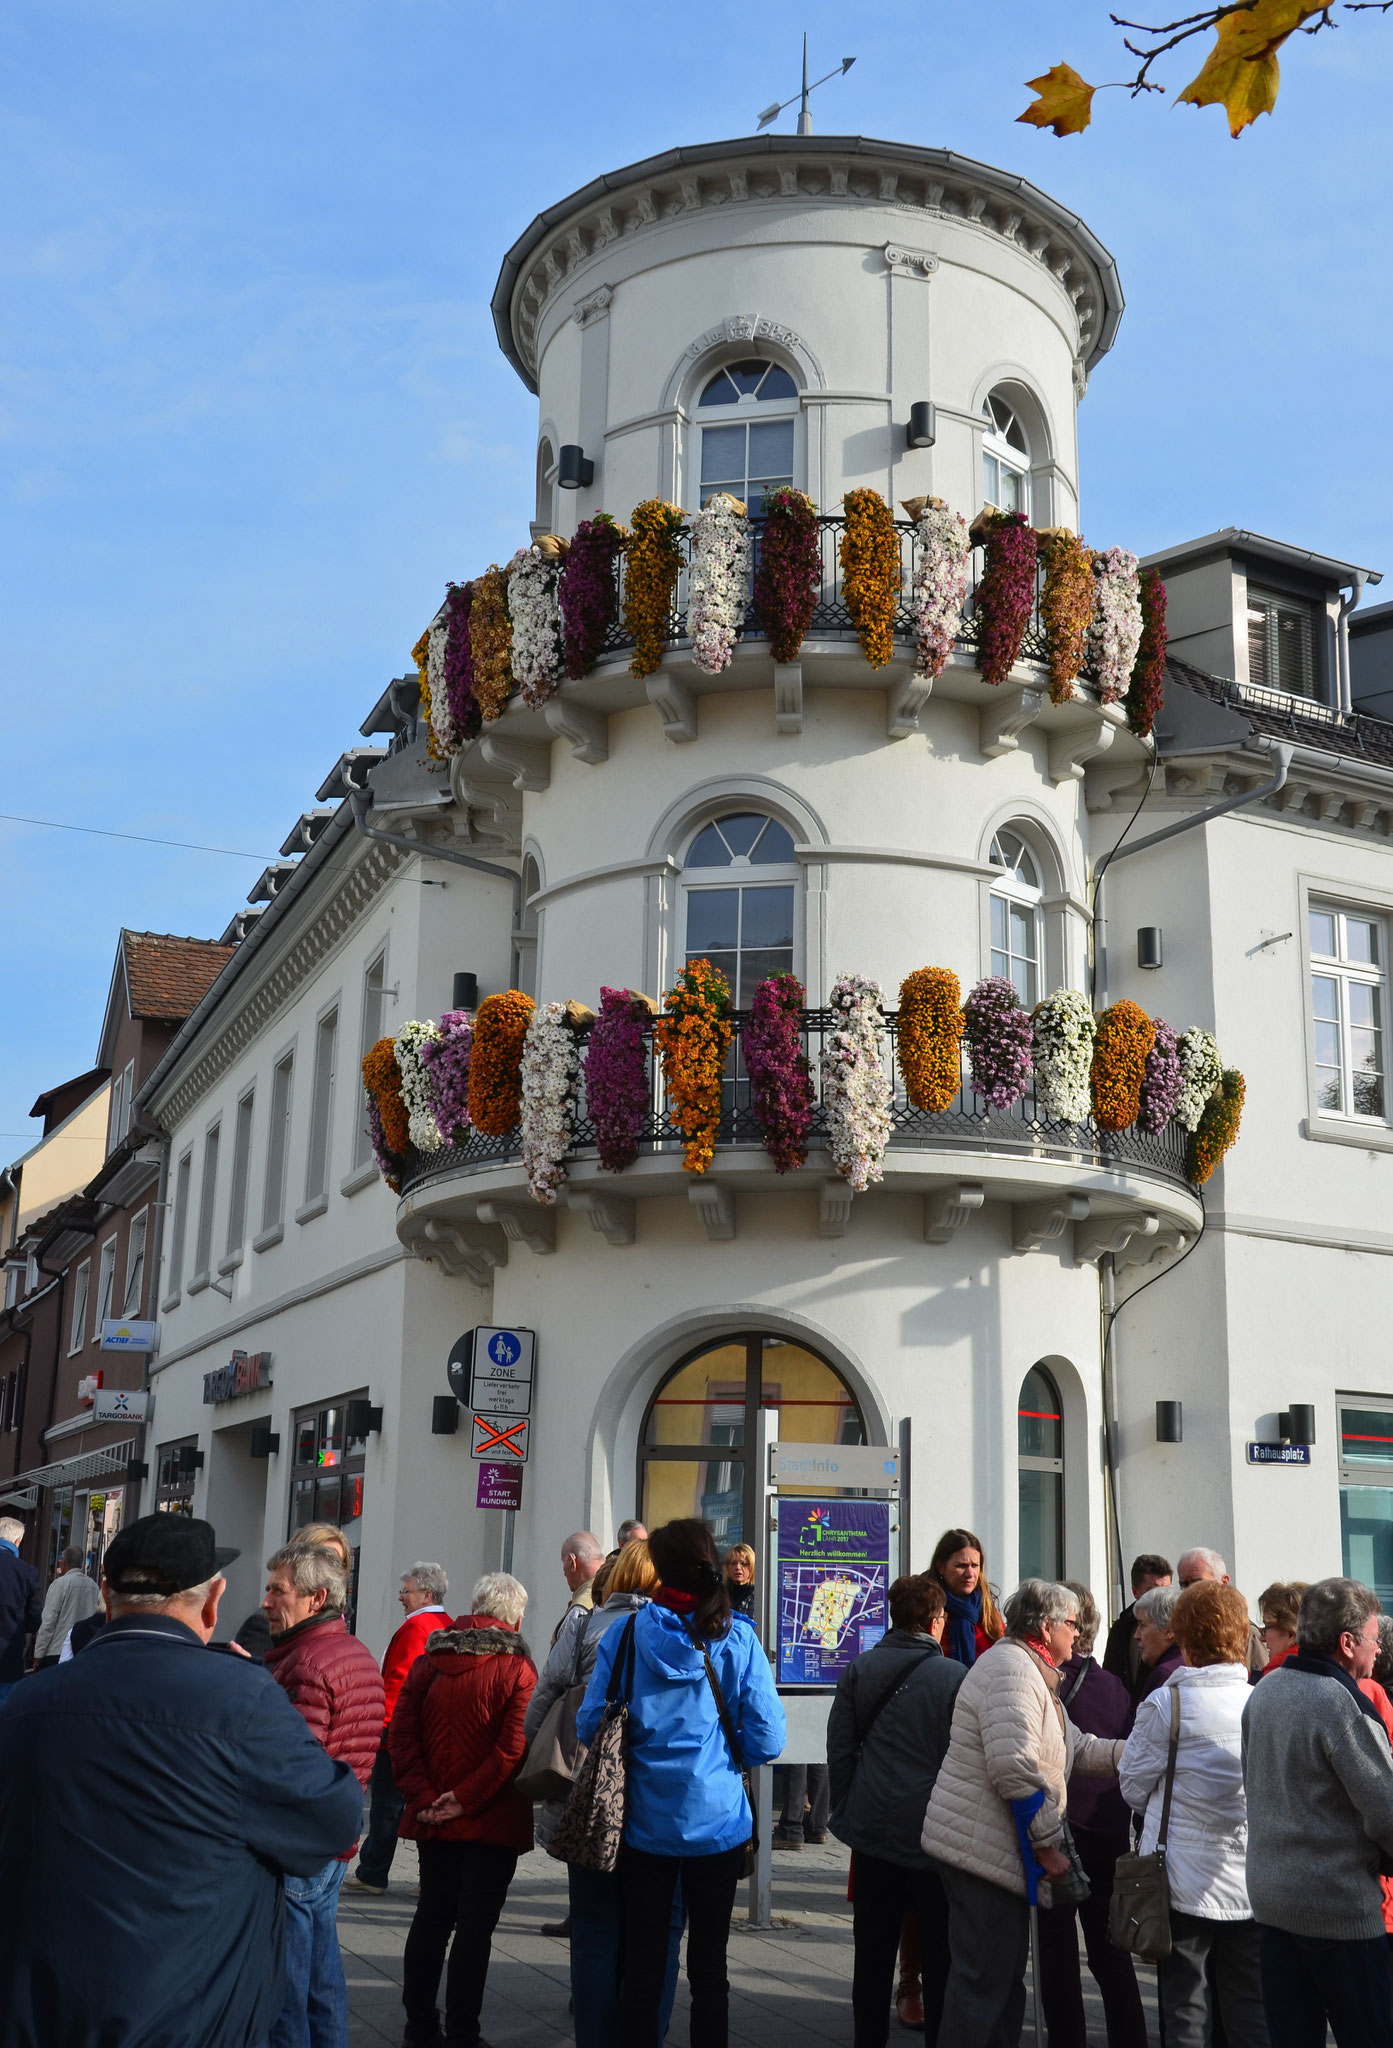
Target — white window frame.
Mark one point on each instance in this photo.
(106, 1285)
(137, 1244)
(319, 1144)
(282, 1108)
(374, 1005)
(999, 451)
(243, 1131)
(1344, 973)
(178, 1226)
(741, 874)
(741, 413)
(77, 1326)
(207, 1206)
(1008, 888)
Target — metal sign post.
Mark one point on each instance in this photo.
(490, 1372)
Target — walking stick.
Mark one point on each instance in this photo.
(1024, 1812)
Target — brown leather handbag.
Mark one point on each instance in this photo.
(1139, 1913)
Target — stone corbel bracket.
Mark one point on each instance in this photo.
(613, 1216)
(1113, 1234)
(1104, 783)
(462, 1248)
(946, 1210)
(788, 697)
(1037, 1225)
(528, 762)
(1001, 723)
(675, 705)
(715, 1205)
(585, 731)
(494, 811)
(1076, 745)
(834, 1200)
(534, 1227)
(1167, 1241)
(903, 703)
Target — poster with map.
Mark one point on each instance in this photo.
(833, 1577)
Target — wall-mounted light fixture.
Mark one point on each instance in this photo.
(1170, 1426)
(465, 992)
(574, 468)
(362, 1419)
(265, 1442)
(1149, 945)
(923, 425)
(190, 1460)
(136, 1471)
(444, 1415)
(1297, 1424)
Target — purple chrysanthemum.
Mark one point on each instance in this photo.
(446, 1060)
(781, 1089)
(997, 1028)
(618, 1092)
(1162, 1081)
(588, 592)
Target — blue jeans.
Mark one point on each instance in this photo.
(380, 1842)
(315, 2011)
(597, 1956)
(1306, 1982)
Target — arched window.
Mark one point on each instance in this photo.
(696, 1450)
(1040, 1459)
(526, 940)
(739, 884)
(748, 414)
(1005, 456)
(1017, 920)
(546, 499)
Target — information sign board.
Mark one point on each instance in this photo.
(1279, 1454)
(120, 1335)
(500, 1439)
(500, 1486)
(490, 1370)
(875, 1466)
(115, 1404)
(833, 1576)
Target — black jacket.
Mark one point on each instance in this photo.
(1121, 1655)
(167, 1790)
(21, 1611)
(878, 1804)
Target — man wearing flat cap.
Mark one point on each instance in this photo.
(171, 1791)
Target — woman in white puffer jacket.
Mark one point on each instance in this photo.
(1212, 1926)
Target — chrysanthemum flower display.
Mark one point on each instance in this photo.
(618, 1089)
(871, 572)
(446, 1061)
(1148, 684)
(420, 654)
(942, 575)
(491, 642)
(387, 1122)
(1160, 1089)
(718, 581)
(550, 1084)
(1218, 1127)
(1006, 594)
(997, 1029)
(788, 570)
(651, 568)
(588, 592)
(929, 1037)
(457, 664)
(1126, 1036)
(1063, 1030)
(416, 1090)
(856, 1091)
(693, 1035)
(1201, 1071)
(781, 1089)
(536, 617)
(495, 1066)
(1115, 634)
(1066, 605)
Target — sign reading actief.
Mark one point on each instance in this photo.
(129, 1336)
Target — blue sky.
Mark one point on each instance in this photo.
(253, 415)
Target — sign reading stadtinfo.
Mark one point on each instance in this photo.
(873, 1465)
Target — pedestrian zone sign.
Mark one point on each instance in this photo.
(502, 1439)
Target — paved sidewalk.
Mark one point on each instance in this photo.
(789, 1986)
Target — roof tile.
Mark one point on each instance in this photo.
(167, 976)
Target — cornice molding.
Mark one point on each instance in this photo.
(275, 987)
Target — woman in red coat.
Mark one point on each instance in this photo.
(456, 1743)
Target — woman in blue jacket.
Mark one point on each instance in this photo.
(686, 1812)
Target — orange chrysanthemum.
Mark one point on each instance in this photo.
(693, 1035)
(652, 564)
(495, 1062)
(871, 572)
(1120, 1053)
(929, 1037)
(382, 1079)
(1218, 1127)
(418, 655)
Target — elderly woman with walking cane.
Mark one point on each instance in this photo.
(995, 1823)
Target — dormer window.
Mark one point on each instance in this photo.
(1281, 643)
(747, 448)
(1005, 457)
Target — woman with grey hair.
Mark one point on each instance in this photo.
(1160, 1652)
(456, 1744)
(1010, 1756)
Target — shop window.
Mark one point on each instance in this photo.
(1366, 1494)
(1040, 1461)
(326, 1478)
(1348, 999)
(1017, 919)
(174, 1477)
(60, 1526)
(749, 414)
(1281, 643)
(1005, 457)
(696, 1454)
(740, 880)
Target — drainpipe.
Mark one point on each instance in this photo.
(1346, 676)
(361, 801)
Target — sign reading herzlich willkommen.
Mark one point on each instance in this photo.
(247, 1372)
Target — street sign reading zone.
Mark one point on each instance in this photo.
(501, 1379)
(499, 1439)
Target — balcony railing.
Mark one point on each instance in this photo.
(968, 1123)
(831, 619)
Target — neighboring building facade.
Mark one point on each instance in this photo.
(737, 316)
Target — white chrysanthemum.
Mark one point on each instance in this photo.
(941, 578)
(536, 617)
(1201, 1071)
(442, 721)
(1115, 634)
(417, 1092)
(856, 1092)
(718, 582)
(1064, 1030)
(550, 1081)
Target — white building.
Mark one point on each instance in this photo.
(742, 314)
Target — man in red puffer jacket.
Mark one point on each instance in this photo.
(333, 1681)
(456, 1742)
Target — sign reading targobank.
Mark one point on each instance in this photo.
(245, 1373)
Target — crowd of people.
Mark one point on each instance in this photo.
(988, 1773)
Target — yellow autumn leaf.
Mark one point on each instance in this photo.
(1244, 86)
(1065, 101)
(1259, 30)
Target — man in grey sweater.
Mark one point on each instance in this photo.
(1318, 1772)
(70, 1599)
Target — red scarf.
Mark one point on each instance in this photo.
(669, 1596)
(1034, 1643)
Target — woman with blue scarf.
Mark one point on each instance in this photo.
(960, 1566)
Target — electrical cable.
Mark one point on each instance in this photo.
(140, 838)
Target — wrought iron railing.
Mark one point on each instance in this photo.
(831, 618)
(968, 1123)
